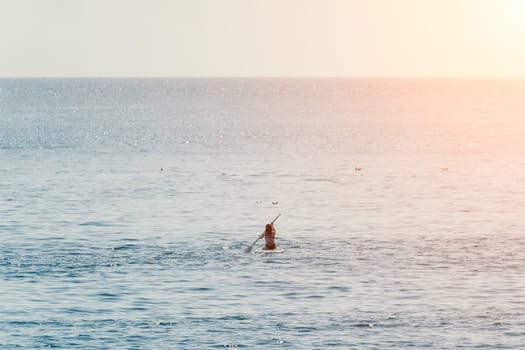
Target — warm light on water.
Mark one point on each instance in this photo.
(400, 199)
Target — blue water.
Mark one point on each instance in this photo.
(126, 206)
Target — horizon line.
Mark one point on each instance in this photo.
(210, 77)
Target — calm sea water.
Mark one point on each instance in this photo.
(126, 205)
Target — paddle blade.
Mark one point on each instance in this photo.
(249, 249)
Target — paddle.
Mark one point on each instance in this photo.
(249, 249)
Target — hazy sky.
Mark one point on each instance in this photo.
(262, 38)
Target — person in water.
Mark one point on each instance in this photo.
(269, 237)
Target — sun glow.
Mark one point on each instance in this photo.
(494, 36)
(502, 17)
(513, 13)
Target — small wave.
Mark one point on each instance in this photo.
(126, 246)
(235, 318)
(201, 289)
(107, 295)
(98, 224)
(365, 325)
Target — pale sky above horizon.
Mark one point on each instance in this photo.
(341, 38)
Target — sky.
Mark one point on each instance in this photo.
(262, 38)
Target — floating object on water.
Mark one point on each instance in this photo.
(268, 251)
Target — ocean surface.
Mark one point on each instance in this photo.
(126, 206)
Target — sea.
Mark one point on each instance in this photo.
(126, 207)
